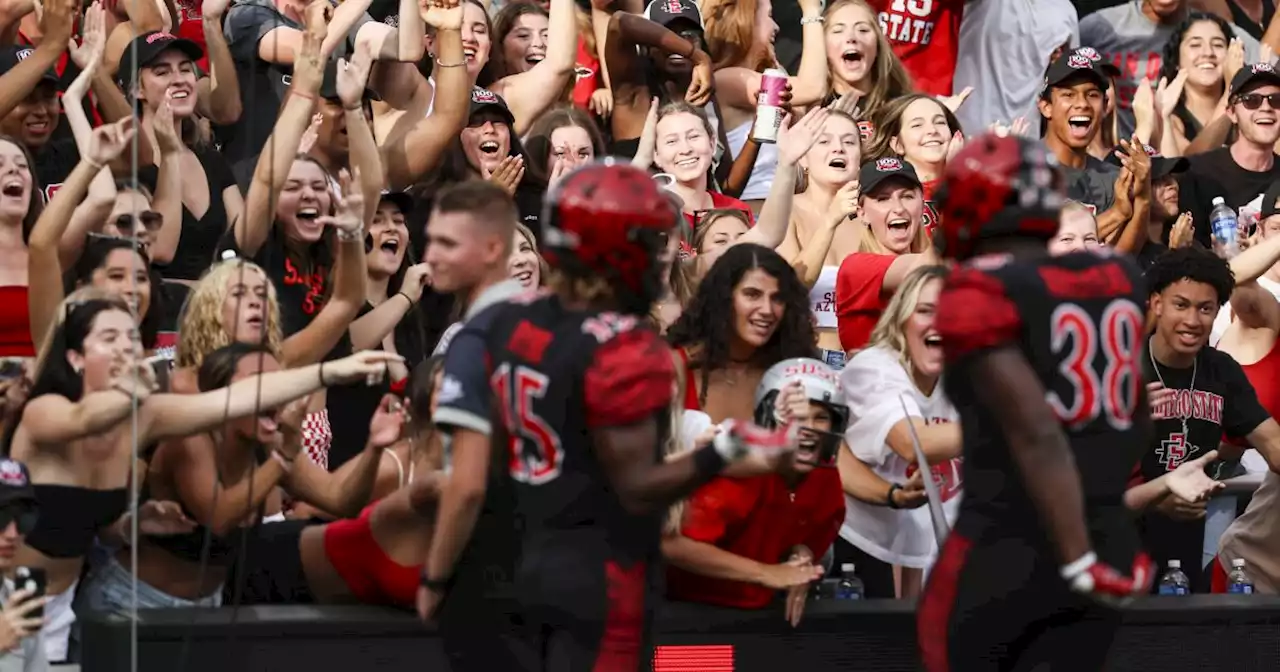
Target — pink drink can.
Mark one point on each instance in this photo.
(769, 110)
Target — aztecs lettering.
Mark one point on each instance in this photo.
(827, 304)
(1187, 404)
(909, 21)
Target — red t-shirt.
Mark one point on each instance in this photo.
(586, 70)
(859, 296)
(191, 27)
(925, 35)
(758, 518)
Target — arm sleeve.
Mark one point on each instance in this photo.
(975, 315)
(246, 25)
(463, 399)
(631, 377)
(1241, 412)
(872, 382)
(715, 509)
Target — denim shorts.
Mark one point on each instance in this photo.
(109, 588)
(834, 358)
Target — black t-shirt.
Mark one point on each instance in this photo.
(1221, 402)
(200, 237)
(351, 406)
(1214, 174)
(263, 85)
(1149, 253)
(54, 163)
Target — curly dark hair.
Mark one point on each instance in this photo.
(1194, 264)
(1170, 62)
(705, 326)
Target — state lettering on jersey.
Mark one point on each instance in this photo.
(947, 476)
(909, 21)
(606, 326)
(1186, 404)
(1174, 450)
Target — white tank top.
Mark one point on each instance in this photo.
(822, 298)
(757, 188)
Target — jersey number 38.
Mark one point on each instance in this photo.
(1099, 362)
(534, 454)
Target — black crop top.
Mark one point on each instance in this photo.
(191, 546)
(200, 237)
(70, 517)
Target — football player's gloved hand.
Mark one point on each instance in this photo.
(1090, 577)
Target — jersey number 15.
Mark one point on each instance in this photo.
(533, 447)
(1077, 340)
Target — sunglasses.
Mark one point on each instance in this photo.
(22, 514)
(150, 220)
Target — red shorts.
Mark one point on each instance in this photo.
(370, 575)
(1217, 576)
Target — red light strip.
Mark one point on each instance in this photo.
(718, 658)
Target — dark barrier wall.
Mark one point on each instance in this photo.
(1195, 634)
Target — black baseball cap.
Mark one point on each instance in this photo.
(400, 199)
(1107, 68)
(12, 55)
(483, 99)
(1161, 166)
(15, 483)
(1073, 65)
(1251, 75)
(875, 172)
(664, 12)
(329, 87)
(147, 47)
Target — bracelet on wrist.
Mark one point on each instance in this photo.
(889, 500)
(804, 21)
(436, 585)
(320, 374)
(356, 234)
(301, 94)
(412, 303)
(459, 64)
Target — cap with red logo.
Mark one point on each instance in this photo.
(665, 12)
(484, 99)
(874, 173)
(147, 47)
(1253, 75)
(1072, 67)
(15, 483)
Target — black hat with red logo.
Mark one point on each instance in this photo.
(146, 47)
(12, 55)
(1252, 75)
(666, 12)
(874, 173)
(484, 99)
(15, 483)
(1079, 64)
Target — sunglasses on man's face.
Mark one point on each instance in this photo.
(1253, 101)
(128, 223)
(23, 514)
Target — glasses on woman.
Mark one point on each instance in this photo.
(128, 222)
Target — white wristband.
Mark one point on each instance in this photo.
(1078, 567)
(812, 19)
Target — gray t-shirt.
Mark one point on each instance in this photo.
(28, 656)
(1094, 185)
(1135, 44)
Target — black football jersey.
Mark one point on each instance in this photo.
(1078, 320)
(555, 375)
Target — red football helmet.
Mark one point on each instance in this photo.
(610, 220)
(997, 186)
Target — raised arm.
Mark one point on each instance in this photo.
(737, 87)
(793, 143)
(56, 24)
(530, 93)
(277, 156)
(218, 95)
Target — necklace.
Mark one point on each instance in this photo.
(1195, 367)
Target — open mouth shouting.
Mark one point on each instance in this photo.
(1080, 125)
(489, 148)
(469, 53)
(390, 248)
(899, 225)
(13, 187)
(933, 342)
(524, 276)
(534, 58)
(838, 162)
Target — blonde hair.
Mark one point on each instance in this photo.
(1070, 206)
(890, 329)
(888, 125)
(201, 328)
(889, 78)
(675, 513)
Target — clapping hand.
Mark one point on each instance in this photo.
(508, 174)
(353, 77)
(88, 53)
(795, 141)
(109, 141)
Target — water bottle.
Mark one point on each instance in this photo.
(850, 586)
(1237, 581)
(1225, 228)
(1174, 582)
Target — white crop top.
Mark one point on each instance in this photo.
(822, 298)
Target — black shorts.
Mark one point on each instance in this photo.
(270, 571)
(576, 614)
(1002, 606)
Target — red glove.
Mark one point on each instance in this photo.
(1092, 578)
(741, 438)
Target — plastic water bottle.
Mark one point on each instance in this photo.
(1237, 581)
(1226, 229)
(850, 586)
(1174, 582)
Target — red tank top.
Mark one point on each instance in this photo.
(1264, 375)
(15, 323)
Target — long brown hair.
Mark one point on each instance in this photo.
(889, 78)
(888, 123)
(730, 35)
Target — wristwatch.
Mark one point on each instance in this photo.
(435, 585)
(893, 487)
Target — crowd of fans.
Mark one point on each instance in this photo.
(239, 238)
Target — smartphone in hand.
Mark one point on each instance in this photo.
(35, 580)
